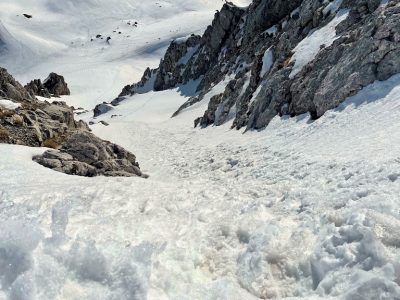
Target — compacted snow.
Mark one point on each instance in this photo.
(301, 210)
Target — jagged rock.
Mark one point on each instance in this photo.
(34, 123)
(56, 85)
(36, 88)
(234, 45)
(178, 54)
(264, 14)
(11, 89)
(84, 154)
(102, 109)
(367, 54)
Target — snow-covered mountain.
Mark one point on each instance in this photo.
(59, 36)
(307, 208)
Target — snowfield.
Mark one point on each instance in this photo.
(302, 210)
(61, 37)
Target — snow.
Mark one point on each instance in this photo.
(189, 54)
(279, 213)
(302, 210)
(268, 61)
(58, 39)
(7, 104)
(309, 47)
(272, 30)
(332, 7)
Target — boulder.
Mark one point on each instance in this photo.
(101, 109)
(56, 85)
(84, 154)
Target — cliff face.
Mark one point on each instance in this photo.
(282, 58)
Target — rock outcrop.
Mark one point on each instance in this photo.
(258, 52)
(10, 88)
(36, 88)
(24, 120)
(56, 85)
(84, 154)
(102, 109)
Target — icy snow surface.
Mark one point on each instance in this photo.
(301, 210)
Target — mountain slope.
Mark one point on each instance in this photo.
(282, 58)
(305, 209)
(58, 38)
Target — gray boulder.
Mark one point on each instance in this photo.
(101, 109)
(84, 154)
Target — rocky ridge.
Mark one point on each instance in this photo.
(54, 85)
(24, 120)
(258, 50)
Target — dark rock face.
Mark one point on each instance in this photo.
(56, 85)
(169, 73)
(37, 124)
(11, 89)
(84, 154)
(36, 88)
(264, 14)
(233, 49)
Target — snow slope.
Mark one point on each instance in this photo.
(301, 210)
(304, 209)
(58, 38)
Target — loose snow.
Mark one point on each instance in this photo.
(302, 210)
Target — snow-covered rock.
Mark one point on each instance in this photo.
(314, 62)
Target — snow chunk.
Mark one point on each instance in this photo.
(268, 61)
(308, 48)
(332, 7)
(272, 30)
(7, 104)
